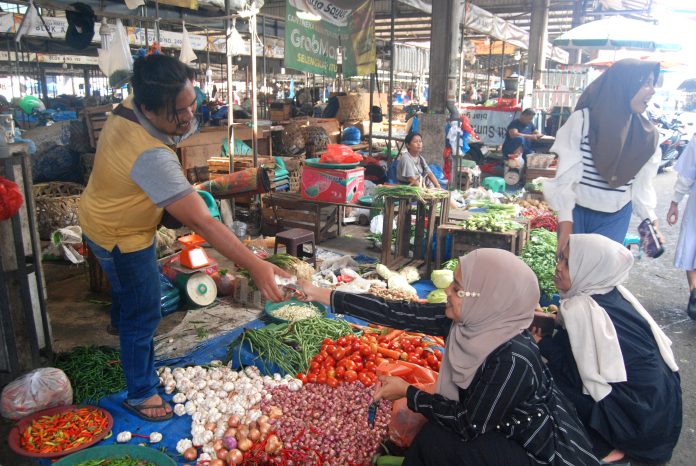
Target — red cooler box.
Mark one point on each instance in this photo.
(332, 185)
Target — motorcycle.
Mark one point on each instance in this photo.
(672, 141)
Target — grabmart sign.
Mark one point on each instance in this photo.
(312, 46)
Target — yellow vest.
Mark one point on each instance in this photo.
(114, 210)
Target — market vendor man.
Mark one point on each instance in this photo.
(136, 177)
(522, 130)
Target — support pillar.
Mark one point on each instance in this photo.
(444, 66)
(88, 88)
(537, 39)
(578, 19)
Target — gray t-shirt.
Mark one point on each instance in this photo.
(158, 173)
(410, 167)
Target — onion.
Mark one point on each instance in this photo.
(221, 453)
(242, 432)
(264, 428)
(229, 442)
(231, 432)
(217, 444)
(190, 454)
(233, 421)
(245, 444)
(216, 462)
(254, 434)
(275, 412)
(253, 425)
(263, 419)
(210, 426)
(235, 457)
(273, 444)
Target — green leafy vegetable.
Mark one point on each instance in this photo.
(540, 255)
(490, 222)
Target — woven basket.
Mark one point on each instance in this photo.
(56, 206)
(295, 180)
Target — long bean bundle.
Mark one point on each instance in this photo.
(289, 347)
(421, 194)
(93, 371)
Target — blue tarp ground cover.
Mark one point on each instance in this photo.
(179, 427)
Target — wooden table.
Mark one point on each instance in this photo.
(427, 221)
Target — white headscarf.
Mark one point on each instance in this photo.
(503, 293)
(597, 265)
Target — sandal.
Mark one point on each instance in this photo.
(691, 307)
(138, 411)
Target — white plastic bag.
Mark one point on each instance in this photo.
(187, 55)
(42, 388)
(63, 243)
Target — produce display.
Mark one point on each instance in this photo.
(539, 213)
(94, 372)
(490, 222)
(63, 432)
(393, 294)
(120, 461)
(352, 358)
(540, 255)
(330, 424)
(451, 264)
(421, 194)
(289, 346)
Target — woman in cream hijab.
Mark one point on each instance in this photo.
(495, 402)
(611, 359)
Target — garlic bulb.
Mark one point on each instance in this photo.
(183, 444)
(179, 398)
(179, 409)
(123, 437)
(155, 437)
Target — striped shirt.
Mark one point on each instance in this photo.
(512, 392)
(577, 181)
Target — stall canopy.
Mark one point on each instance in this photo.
(619, 33)
(314, 34)
(484, 22)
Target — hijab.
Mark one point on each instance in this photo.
(621, 141)
(597, 265)
(503, 292)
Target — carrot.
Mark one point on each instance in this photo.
(388, 353)
(393, 334)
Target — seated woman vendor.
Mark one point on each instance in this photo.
(495, 403)
(413, 169)
(623, 380)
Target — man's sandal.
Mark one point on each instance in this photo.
(138, 411)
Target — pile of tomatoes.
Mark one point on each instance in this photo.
(353, 357)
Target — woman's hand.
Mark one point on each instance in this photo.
(673, 213)
(537, 333)
(392, 388)
(314, 293)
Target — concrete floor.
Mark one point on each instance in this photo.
(78, 317)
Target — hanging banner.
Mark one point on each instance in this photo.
(490, 124)
(313, 46)
(360, 51)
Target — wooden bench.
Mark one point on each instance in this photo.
(95, 119)
(289, 210)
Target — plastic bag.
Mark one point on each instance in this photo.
(10, 198)
(339, 153)
(42, 388)
(405, 424)
(66, 243)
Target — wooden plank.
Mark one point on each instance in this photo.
(387, 226)
(296, 215)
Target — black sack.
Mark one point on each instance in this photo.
(80, 26)
(376, 114)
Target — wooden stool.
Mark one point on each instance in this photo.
(294, 240)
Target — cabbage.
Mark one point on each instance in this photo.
(442, 278)
(437, 297)
(410, 273)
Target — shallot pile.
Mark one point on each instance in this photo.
(330, 422)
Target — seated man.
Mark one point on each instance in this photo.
(523, 130)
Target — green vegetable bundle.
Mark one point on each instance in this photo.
(421, 194)
(289, 346)
(291, 264)
(451, 264)
(94, 372)
(495, 207)
(490, 222)
(540, 255)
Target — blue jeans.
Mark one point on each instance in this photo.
(613, 225)
(135, 311)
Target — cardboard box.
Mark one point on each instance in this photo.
(332, 185)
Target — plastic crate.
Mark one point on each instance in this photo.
(245, 294)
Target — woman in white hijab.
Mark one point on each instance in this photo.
(495, 403)
(611, 358)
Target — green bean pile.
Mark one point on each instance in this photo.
(94, 372)
(120, 461)
(289, 346)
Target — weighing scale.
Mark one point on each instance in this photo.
(190, 271)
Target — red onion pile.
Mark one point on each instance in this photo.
(330, 422)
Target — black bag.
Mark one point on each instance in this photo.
(376, 114)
